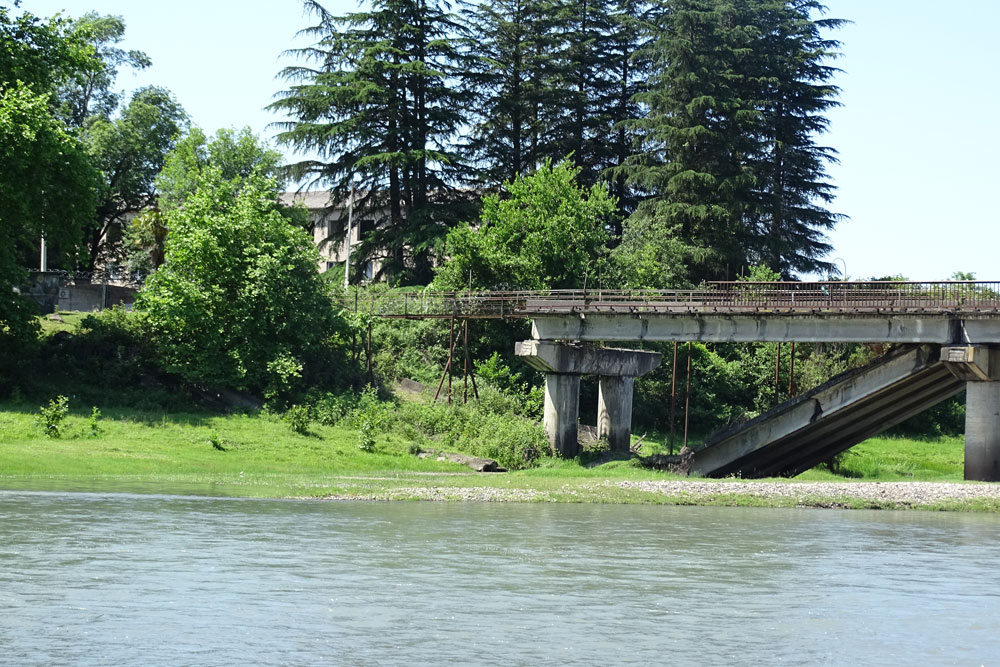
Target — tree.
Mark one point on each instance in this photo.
(130, 151)
(692, 138)
(375, 102)
(547, 233)
(46, 183)
(39, 53)
(790, 56)
(505, 78)
(728, 160)
(88, 90)
(238, 302)
(46, 188)
(238, 155)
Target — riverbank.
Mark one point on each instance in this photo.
(258, 455)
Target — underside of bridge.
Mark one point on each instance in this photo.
(859, 404)
(833, 417)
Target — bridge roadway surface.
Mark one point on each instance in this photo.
(948, 330)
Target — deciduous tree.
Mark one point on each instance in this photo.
(239, 302)
(548, 232)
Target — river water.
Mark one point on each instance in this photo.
(105, 579)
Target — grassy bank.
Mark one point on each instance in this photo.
(259, 456)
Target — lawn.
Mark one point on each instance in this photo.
(258, 455)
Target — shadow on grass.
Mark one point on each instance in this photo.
(145, 417)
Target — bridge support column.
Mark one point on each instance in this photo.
(614, 411)
(979, 366)
(563, 364)
(562, 412)
(982, 431)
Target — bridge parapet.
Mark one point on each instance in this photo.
(739, 297)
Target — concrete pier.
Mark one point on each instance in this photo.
(982, 431)
(614, 411)
(562, 412)
(563, 364)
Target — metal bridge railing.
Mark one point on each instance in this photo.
(735, 297)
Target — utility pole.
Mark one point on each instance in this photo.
(347, 240)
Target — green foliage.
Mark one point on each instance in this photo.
(505, 391)
(90, 90)
(46, 188)
(239, 157)
(51, 417)
(728, 154)
(297, 417)
(366, 436)
(548, 233)
(216, 441)
(130, 151)
(239, 302)
(375, 99)
(101, 359)
(95, 422)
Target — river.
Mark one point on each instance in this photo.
(118, 579)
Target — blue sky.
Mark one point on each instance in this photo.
(917, 134)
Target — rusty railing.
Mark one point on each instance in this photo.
(719, 297)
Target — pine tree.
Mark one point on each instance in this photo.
(503, 78)
(728, 162)
(689, 164)
(375, 103)
(789, 169)
(626, 70)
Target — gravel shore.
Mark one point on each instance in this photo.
(902, 493)
(889, 495)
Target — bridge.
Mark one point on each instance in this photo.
(947, 337)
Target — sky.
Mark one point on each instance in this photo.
(917, 133)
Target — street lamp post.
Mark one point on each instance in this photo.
(347, 240)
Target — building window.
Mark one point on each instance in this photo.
(365, 228)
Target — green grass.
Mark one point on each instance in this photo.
(70, 323)
(899, 459)
(261, 457)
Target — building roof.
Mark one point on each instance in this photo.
(314, 200)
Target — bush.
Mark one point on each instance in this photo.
(95, 426)
(513, 443)
(366, 436)
(52, 416)
(297, 418)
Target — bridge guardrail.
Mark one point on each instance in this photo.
(736, 297)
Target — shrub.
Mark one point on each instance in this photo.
(329, 409)
(298, 419)
(514, 443)
(95, 426)
(238, 302)
(52, 416)
(366, 436)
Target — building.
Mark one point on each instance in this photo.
(329, 222)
